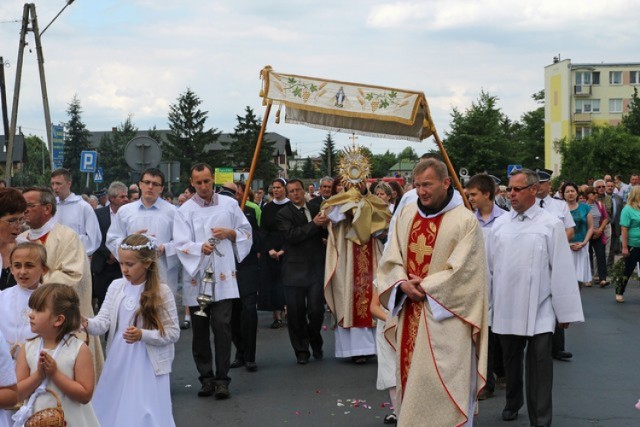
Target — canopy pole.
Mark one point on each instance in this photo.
(452, 172)
(254, 162)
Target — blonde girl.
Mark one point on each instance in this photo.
(55, 359)
(140, 315)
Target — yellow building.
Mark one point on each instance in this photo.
(578, 96)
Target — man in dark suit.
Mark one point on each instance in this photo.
(326, 184)
(616, 207)
(303, 271)
(104, 267)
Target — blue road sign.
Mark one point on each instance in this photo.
(88, 161)
(98, 176)
(511, 168)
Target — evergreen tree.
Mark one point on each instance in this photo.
(187, 142)
(308, 170)
(112, 147)
(36, 169)
(243, 147)
(76, 140)
(631, 120)
(329, 157)
(155, 135)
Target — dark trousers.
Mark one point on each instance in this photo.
(613, 247)
(219, 320)
(491, 379)
(305, 314)
(101, 281)
(630, 263)
(244, 326)
(598, 248)
(537, 372)
(558, 340)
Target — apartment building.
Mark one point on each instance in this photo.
(579, 96)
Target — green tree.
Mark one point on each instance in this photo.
(243, 147)
(36, 168)
(528, 136)
(631, 120)
(188, 140)
(407, 154)
(480, 137)
(380, 164)
(76, 140)
(329, 157)
(112, 147)
(608, 149)
(308, 169)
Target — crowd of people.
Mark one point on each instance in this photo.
(452, 302)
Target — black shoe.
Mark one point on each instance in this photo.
(222, 392)
(185, 325)
(251, 366)
(509, 415)
(318, 355)
(359, 360)
(390, 419)
(206, 390)
(277, 323)
(237, 363)
(562, 355)
(303, 359)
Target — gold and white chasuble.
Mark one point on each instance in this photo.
(441, 342)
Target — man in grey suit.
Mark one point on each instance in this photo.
(613, 245)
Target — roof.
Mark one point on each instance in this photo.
(404, 165)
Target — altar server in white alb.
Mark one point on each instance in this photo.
(533, 285)
(152, 216)
(203, 217)
(74, 212)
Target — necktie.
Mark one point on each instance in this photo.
(541, 203)
(306, 214)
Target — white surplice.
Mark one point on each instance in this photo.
(192, 228)
(78, 215)
(533, 280)
(158, 221)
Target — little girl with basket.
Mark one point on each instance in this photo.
(56, 368)
(140, 314)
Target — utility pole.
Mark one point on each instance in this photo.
(3, 97)
(29, 13)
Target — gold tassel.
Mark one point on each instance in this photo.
(278, 114)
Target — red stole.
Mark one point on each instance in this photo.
(422, 238)
(41, 239)
(362, 284)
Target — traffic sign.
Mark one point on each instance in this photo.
(98, 176)
(511, 168)
(88, 161)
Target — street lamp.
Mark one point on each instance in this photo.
(56, 17)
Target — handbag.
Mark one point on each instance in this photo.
(48, 417)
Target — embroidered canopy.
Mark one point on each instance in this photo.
(363, 109)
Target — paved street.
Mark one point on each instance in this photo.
(599, 387)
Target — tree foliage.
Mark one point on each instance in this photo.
(188, 140)
(631, 120)
(76, 140)
(309, 169)
(36, 168)
(243, 146)
(329, 157)
(381, 163)
(528, 136)
(408, 153)
(608, 150)
(112, 147)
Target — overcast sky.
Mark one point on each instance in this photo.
(137, 56)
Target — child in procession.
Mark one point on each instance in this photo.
(56, 359)
(140, 315)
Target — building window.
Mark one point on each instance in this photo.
(615, 105)
(615, 77)
(595, 77)
(634, 77)
(582, 132)
(587, 106)
(583, 77)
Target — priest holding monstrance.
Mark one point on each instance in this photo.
(433, 275)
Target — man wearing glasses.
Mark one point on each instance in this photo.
(152, 216)
(533, 285)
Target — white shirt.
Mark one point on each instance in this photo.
(192, 228)
(78, 215)
(532, 276)
(14, 306)
(559, 209)
(157, 220)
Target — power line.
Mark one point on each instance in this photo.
(10, 22)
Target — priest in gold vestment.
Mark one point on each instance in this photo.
(433, 276)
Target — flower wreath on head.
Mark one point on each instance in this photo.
(151, 245)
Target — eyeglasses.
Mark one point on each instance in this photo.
(14, 221)
(517, 189)
(151, 183)
(599, 186)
